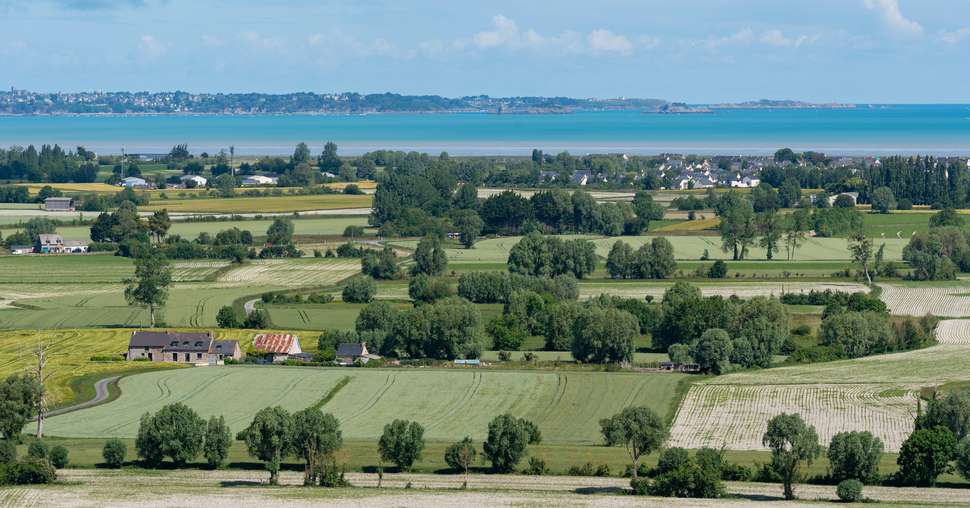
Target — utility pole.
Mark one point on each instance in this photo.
(40, 352)
(122, 163)
(232, 153)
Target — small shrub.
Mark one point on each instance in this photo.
(8, 451)
(849, 491)
(504, 356)
(801, 330)
(59, 457)
(30, 472)
(38, 450)
(583, 470)
(114, 452)
(736, 472)
(640, 486)
(537, 467)
(529, 356)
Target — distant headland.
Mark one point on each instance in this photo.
(25, 102)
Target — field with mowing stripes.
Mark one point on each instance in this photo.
(737, 415)
(941, 299)
(876, 393)
(566, 406)
(307, 272)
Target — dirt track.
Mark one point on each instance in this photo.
(243, 489)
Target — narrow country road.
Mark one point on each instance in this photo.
(100, 394)
(250, 306)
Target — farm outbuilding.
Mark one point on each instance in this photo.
(59, 204)
(349, 353)
(277, 346)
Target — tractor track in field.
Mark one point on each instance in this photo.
(388, 383)
(467, 396)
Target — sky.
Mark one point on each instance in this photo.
(698, 51)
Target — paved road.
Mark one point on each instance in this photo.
(250, 306)
(100, 394)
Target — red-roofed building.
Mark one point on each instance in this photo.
(278, 346)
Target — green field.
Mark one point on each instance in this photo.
(316, 226)
(451, 404)
(270, 204)
(496, 250)
(86, 291)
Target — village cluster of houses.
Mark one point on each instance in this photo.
(202, 348)
(135, 182)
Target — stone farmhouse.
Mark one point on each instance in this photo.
(176, 347)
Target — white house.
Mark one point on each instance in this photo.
(745, 182)
(200, 181)
(259, 180)
(133, 182)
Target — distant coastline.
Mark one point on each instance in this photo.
(29, 103)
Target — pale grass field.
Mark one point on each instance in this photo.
(948, 301)
(244, 489)
(876, 393)
(304, 272)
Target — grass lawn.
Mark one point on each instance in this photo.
(450, 403)
(271, 204)
(66, 268)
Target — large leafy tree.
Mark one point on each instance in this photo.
(402, 443)
(269, 438)
(604, 335)
(738, 228)
(315, 435)
(770, 228)
(531, 256)
(19, 399)
(925, 455)
(175, 431)
(280, 232)
(508, 438)
(855, 455)
(217, 442)
(792, 442)
(429, 258)
(639, 429)
(149, 286)
(159, 224)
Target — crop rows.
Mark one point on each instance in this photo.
(196, 270)
(291, 273)
(736, 416)
(953, 301)
(953, 331)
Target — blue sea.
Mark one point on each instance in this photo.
(877, 130)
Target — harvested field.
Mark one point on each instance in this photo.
(953, 331)
(188, 271)
(307, 272)
(237, 489)
(946, 301)
(737, 416)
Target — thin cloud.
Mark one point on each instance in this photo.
(607, 41)
(955, 37)
(779, 39)
(893, 17)
(151, 46)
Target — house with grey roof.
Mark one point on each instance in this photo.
(349, 353)
(179, 347)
